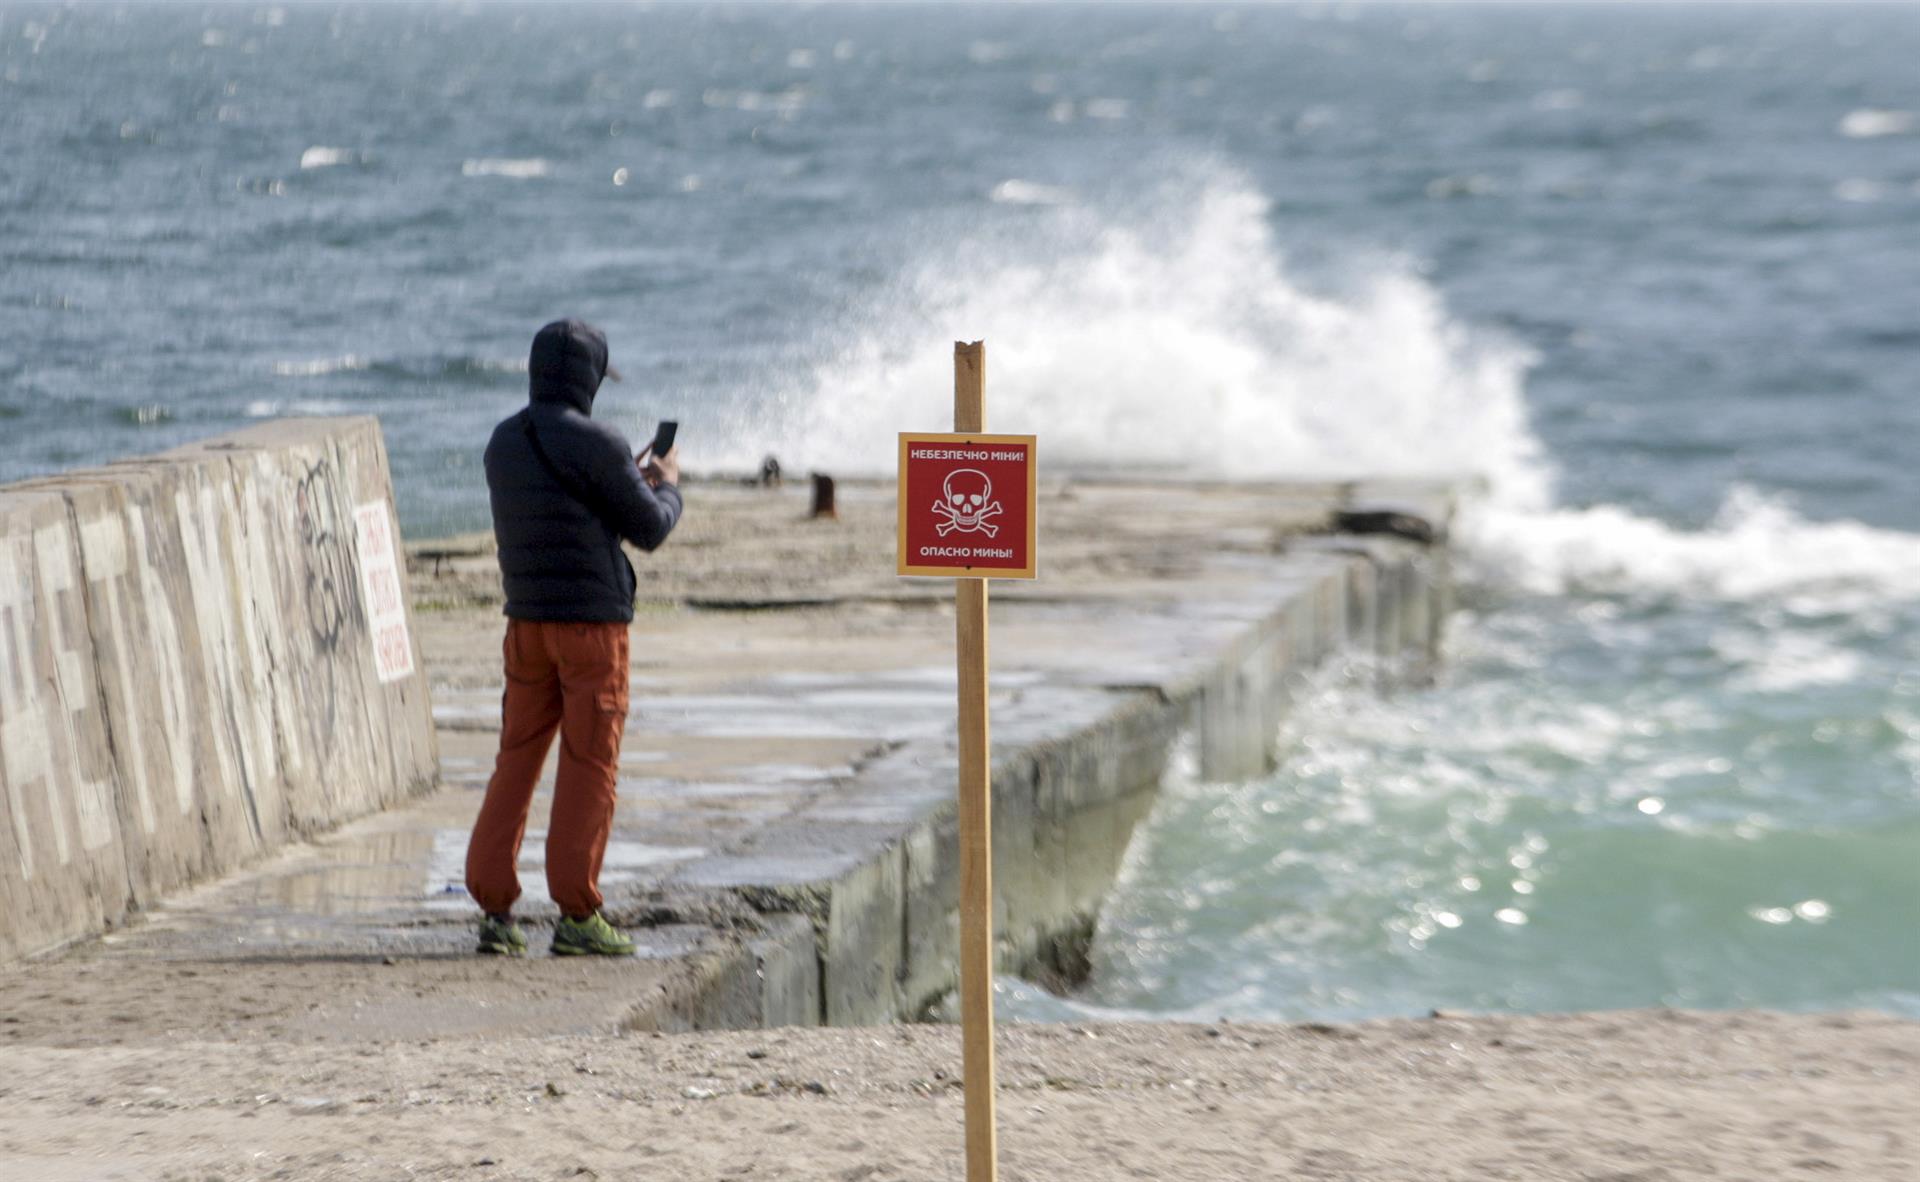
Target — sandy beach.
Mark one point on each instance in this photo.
(1656, 1096)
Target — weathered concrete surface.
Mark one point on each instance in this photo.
(64, 870)
(189, 679)
(784, 845)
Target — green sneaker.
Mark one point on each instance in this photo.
(500, 936)
(592, 936)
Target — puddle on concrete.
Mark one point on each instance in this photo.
(700, 789)
(626, 861)
(938, 678)
(791, 773)
(402, 871)
(921, 677)
(898, 715)
(466, 706)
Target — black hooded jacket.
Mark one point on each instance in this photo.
(559, 538)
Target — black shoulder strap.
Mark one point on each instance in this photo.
(572, 488)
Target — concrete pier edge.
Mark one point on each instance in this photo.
(193, 674)
(855, 895)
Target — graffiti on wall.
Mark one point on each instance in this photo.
(317, 506)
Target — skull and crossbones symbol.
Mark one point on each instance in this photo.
(966, 502)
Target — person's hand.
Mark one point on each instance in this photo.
(665, 469)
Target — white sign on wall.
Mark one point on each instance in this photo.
(380, 584)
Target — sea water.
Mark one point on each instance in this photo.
(1648, 272)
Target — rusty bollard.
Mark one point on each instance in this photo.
(823, 505)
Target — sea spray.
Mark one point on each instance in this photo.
(1757, 547)
(1173, 336)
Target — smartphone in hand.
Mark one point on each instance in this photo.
(654, 464)
(662, 440)
(663, 437)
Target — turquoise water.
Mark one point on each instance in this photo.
(1647, 270)
(1605, 802)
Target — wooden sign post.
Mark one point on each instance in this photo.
(967, 511)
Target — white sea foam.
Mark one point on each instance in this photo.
(325, 157)
(516, 169)
(1787, 660)
(1125, 341)
(1872, 122)
(1118, 343)
(1859, 189)
(319, 367)
(1019, 192)
(1758, 547)
(494, 365)
(787, 102)
(276, 408)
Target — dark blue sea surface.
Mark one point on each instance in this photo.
(1651, 271)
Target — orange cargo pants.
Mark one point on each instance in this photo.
(571, 678)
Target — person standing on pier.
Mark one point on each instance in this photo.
(566, 490)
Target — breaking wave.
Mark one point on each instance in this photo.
(1123, 344)
(1757, 547)
(1119, 343)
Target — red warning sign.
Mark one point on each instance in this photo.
(967, 506)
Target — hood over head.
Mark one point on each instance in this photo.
(568, 361)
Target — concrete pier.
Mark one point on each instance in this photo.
(784, 847)
(192, 673)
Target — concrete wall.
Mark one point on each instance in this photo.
(189, 674)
